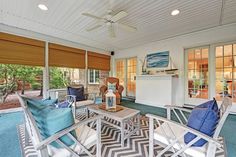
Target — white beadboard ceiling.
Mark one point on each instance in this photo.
(151, 17)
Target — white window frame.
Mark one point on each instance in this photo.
(196, 101)
(211, 73)
(94, 76)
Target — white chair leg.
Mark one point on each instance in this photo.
(151, 137)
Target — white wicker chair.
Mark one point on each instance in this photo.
(86, 136)
(170, 134)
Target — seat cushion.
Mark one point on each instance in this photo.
(51, 120)
(85, 135)
(78, 92)
(203, 118)
(165, 139)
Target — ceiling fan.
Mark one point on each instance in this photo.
(110, 20)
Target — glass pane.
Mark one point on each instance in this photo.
(205, 53)
(219, 51)
(234, 61)
(197, 54)
(234, 73)
(228, 50)
(228, 73)
(203, 93)
(219, 62)
(234, 49)
(190, 74)
(190, 55)
(228, 61)
(191, 64)
(233, 92)
(219, 74)
(219, 86)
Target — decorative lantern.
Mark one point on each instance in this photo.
(110, 101)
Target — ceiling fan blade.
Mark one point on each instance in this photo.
(94, 27)
(111, 31)
(92, 16)
(119, 16)
(128, 27)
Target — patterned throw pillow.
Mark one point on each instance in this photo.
(111, 86)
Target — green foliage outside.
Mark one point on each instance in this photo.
(57, 78)
(10, 75)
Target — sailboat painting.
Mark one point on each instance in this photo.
(158, 60)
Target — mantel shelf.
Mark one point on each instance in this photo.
(159, 75)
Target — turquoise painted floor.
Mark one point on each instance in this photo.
(9, 143)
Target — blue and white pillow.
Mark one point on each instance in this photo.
(111, 86)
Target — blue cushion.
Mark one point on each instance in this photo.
(203, 118)
(63, 104)
(47, 101)
(78, 92)
(111, 86)
(51, 120)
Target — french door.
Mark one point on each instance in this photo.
(197, 75)
(126, 72)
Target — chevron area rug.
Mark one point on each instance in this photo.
(136, 146)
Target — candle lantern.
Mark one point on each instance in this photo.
(110, 101)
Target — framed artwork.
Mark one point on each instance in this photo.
(158, 60)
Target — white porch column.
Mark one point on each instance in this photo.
(86, 70)
(46, 74)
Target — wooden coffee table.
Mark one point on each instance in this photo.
(129, 120)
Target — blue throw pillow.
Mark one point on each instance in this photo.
(78, 92)
(203, 118)
(47, 101)
(111, 86)
(51, 120)
(63, 104)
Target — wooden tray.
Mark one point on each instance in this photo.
(117, 109)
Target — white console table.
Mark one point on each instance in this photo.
(155, 90)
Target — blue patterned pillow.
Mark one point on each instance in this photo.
(203, 118)
(63, 104)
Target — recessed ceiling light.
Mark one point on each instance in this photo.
(43, 7)
(175, 12)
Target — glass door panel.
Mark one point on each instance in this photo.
(225, 71)
(131, 77)
(120, 71)
(197, 73)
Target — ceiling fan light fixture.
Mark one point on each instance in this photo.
(43, 7)
(175, 12)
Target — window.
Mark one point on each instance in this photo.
(225, 83)
(93, 76)
(120, 71)
(197, 72)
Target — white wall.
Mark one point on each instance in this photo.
(176, 47)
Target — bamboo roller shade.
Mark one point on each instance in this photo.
(63, 56)
(98, 61)
(21, 50)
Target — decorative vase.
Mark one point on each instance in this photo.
(110, 101)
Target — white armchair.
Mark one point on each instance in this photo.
(86, 136)
(170, 134)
